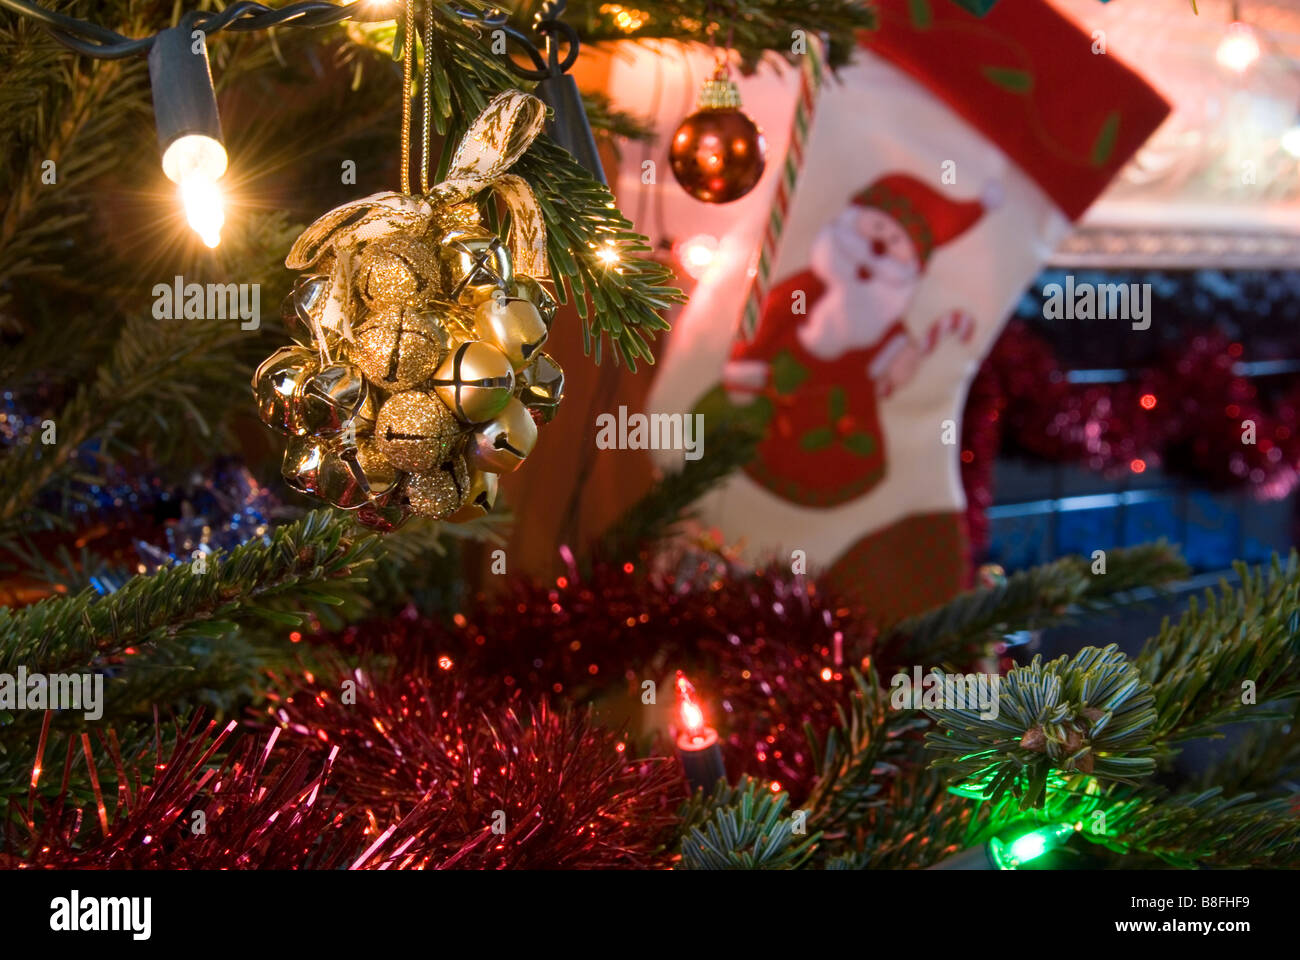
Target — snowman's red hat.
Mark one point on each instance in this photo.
(930, 218)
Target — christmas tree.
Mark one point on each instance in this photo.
(203, 666)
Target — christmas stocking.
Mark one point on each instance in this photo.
(938, 172)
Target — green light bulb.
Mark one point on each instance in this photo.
(1029, 846)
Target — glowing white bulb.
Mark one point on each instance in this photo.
(697, 254)
(196, 163)
(608, 254)
(1238, 49)
(1291, 141)
(203, 208)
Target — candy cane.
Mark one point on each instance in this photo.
(810, 81)
(956, 323)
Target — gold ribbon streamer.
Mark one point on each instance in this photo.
(495, 141)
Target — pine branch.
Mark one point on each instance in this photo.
(743, 828)
(853, 759)
(729, 445)
(1091, 713)
(304, 564)
(1101, 714)
(612, 124)
(1029, 600)
(620, 302)
(751, 27)
(1204, 830)
(922, 824)
(1267, 756)
(1199, 668)
(165, 382)
(17, 759)
(62, 112)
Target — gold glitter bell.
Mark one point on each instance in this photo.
(513, 325)
(398, 346)
(397, 269)
(542, 383)
(440, 492)
(475, 263)
(479, 499)
(531, 289)
(415, 430)
(276, 383)
(476, 381)
(501, 444)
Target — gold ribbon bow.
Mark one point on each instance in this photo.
(494, 142)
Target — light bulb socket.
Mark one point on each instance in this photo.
(568, 125)
(184, 100)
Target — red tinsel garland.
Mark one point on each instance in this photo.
(769, 653)
(190, 808)
(1187, 415)
(468, 783)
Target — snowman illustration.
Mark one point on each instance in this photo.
(830, 343)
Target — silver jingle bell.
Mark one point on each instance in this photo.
(501, 444)
(475, 381)
(513, 325)
(543, 386)
(305, 304)
(474, 263)
(276, 385)
(331, 398)
(530, 289)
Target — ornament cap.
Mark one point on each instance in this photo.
(719, 93)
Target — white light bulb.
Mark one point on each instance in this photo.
(697, 254)
(203, 209)
(1238, 49)
(196, 163)
(1291, 141)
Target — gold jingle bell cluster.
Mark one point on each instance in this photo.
(418, 376)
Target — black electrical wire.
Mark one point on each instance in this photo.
(93, 40)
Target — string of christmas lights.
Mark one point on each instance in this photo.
(185, 103)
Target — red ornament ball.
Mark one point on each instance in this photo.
(718, 154)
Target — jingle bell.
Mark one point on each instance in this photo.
(515, 326)
(276, 384)
(304, 458)
(501, 444)
(479, 499)
(397, 269)
(399, 346)
(474, 263)
(330, 398)
(415, 430)
(475, 381)
(304, 307)
(381, 476)
(530, 289)
(353, 476)
(386, 515)
(542, 386)
(440, 492)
